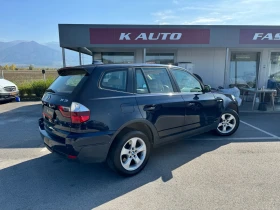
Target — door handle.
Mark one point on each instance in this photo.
(190, 104)
(149, 107)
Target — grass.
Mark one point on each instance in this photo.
(23, 76)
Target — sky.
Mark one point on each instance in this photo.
(37, 20)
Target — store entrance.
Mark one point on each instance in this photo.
(244, 69)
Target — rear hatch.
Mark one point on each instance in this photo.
(59, 110)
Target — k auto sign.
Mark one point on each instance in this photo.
(148, 36)
(261, 36)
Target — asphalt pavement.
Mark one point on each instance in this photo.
(205, 172)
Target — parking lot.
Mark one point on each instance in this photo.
(205, 172)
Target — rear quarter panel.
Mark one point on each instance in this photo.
(109, 109)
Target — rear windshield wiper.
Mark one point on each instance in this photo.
(50, 90)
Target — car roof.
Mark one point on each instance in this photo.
(100, 67)
(103, 66)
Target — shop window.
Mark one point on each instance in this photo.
(160, 58)
(244, 68)
(275, 66)
(117, 57)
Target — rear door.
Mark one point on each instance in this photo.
(202, 109)
(157, 100)
(57, 100)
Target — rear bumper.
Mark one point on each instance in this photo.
(89, 148)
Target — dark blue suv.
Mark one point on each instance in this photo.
(118, 112)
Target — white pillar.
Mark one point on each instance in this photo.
(144, 55)
(63, 57)
(80, 58)
(227, 66)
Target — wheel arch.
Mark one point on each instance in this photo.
(140, 125)
(233, 106)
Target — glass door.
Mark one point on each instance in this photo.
(244, 69)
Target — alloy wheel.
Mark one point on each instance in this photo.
(227, 123)
(133, 153)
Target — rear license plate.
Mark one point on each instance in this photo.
(48, 112)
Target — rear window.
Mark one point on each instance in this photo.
(67, 82)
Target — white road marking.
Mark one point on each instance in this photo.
(44, 149)
(270, 134)
(235, 139)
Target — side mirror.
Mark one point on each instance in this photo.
(207, 88)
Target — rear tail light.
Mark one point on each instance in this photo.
(77, 112)
(65, 111)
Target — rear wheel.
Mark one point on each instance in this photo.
(129, 153)
(228, 124)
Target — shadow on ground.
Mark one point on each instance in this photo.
(19, 125)
(51, 181)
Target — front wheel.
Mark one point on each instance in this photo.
(228, 124)
(129, 153)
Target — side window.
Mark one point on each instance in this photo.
(187, 83)
(158, 80)
(141, 86)
(115, 80)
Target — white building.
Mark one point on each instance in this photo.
(221, 55)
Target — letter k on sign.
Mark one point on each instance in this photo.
(124, 36)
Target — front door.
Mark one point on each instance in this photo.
(202, 109)
(158, 102)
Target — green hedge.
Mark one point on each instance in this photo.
(34, 88)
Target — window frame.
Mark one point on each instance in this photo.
(177, 85)
(135, 81)
(170, 76)
(100, 86)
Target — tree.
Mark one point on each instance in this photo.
(1, 67)
(6, 67)
(31, 67)
(13, 67)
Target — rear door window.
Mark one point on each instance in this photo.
(67, 82)
(115, 80)
(157, 79)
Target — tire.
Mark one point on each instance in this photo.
(126, 164)
(228, 117)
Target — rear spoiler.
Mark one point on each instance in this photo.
(72, 71)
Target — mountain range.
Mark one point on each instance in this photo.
(25, 53)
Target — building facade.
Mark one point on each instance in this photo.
(221, 55)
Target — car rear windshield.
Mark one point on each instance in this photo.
(67, 81)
